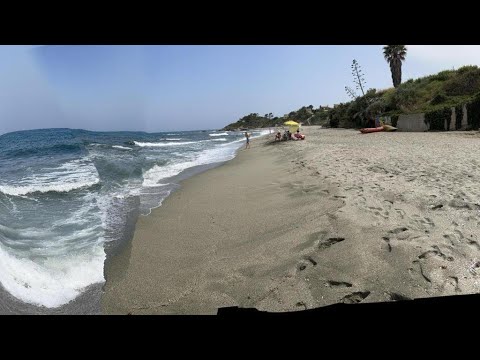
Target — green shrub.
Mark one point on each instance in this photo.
(435, 119)
(466, 68)
(466, 83)
(473, 113)
(376, 108)
(334, 122)
(438, 99)
(403, 98)
(442, 75)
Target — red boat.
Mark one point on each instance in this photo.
(371, 130)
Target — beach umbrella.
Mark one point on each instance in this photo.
(292, 125)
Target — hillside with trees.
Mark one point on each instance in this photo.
(431, 95)
(434, 95)
(307, 115)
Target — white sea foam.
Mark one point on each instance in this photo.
(173, 139)
(47, 266)
(222, 152)
(153, 176)
(53, 281)
(70, 176)
(218, 134)
(162, 144)
(259, 134)
(121, 147)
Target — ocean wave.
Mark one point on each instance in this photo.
(70, 176)
(173, 139)
(154, 175)
(30, 189)
(45, 150)
(254, 136)
(218, 134)
(51, 241)
(54, 281)
(221, 139)
(162, 144)
(121, 147)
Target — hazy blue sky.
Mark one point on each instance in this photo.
(163, 88)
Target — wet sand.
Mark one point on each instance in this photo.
(339, 217)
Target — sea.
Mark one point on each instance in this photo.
(69, 197)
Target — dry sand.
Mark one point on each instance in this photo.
(339, 217)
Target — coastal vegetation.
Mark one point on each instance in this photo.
(435, 95)
(307, 115)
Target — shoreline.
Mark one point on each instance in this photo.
(288, 226)
(89, 301)
(117, 270)
(303, 224)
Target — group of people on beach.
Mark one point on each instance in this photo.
(287, 135)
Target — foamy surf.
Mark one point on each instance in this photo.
(70, 176)
(153, 176)
(218, 134)
(162, 144)
(59, 221)
(51, 282)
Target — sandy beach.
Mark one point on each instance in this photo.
(339, 217)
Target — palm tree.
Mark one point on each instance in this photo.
(395, 54)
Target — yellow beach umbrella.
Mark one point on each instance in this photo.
(292, 125)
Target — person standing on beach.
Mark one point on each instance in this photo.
(247, 136)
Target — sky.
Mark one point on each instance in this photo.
(165, 88)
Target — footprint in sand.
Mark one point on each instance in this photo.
(400, 233)
(338, 284)
(451, 238)
(435, 252)
(387, 240)
(400, 213)
(420, 223)
(426, 268)
(473, 243)
(302, 304)
(305, 262)
(417, 271)
(451, 282)
(398, 297)
(459, 233)
(355, 297)
(398, 230)
(324, 244)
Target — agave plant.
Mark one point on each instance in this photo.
(358, 76)
(350, 92)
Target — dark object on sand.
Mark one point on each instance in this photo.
(371, 130)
